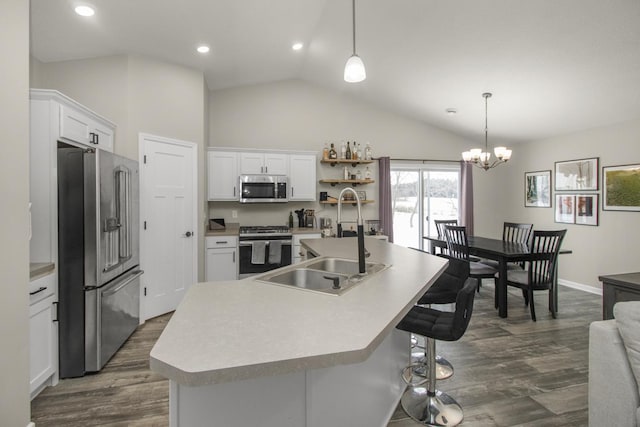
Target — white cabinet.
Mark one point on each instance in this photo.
(221, 258)
(43, 335)
(80, 126)
(298, 253)
(302, 177)
(255, 163)
(222, 173)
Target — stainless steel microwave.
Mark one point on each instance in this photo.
(263, 188)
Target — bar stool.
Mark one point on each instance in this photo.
(427, 405)
(444, 291)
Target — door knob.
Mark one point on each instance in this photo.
(188, 234)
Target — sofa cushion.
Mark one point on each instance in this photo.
(627, 316)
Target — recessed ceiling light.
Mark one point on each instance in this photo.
(203, 49)
(451, 111)
(84, 10)
(297, 46)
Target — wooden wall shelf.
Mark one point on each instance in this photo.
(353, 163)
(354, 182)
(346, 202)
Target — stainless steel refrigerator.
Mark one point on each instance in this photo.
(98, 256)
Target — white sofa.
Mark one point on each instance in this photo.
(614, 368)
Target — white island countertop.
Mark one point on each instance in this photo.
(234, 330)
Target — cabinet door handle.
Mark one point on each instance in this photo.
(266, 169)
(40, 289)
(234, 191)
(291, 191)
(97, 138)
(55, 303)
(222, 242)
(234, 257)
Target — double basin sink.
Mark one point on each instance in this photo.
(327, 275)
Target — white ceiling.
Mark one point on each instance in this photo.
(554, 66)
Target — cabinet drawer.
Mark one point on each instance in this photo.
(221, 242)
(42, 288)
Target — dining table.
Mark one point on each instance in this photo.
(504, 252)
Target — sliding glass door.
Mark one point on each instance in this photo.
(421, 194)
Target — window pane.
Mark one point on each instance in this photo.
(440, 198)
(405, 188)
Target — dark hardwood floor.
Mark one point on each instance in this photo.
(508, 372)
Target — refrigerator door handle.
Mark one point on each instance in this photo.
(134, 275)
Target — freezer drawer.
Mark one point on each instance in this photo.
(116, 317)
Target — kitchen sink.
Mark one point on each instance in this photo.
(344, 266)
(327, 275)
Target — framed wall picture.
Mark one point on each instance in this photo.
(566, 208)
(537, 189)
(587, 209)
(621, 188)
(577, 175)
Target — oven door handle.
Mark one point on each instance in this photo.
(251, 242)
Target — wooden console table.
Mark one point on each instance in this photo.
(616, 288)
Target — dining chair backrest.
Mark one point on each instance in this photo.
(457, 242)
(441, 223)
(517, 232)
(545, 247)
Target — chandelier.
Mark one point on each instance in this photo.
(480, 158)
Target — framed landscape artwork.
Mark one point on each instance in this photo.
(621, 188)
(537, 189)
(577, 175)
(565, 208)
(587, 209)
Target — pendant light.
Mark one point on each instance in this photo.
(481, 158)
(354, 71)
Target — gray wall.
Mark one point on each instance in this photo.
(14, 189)
(295, 115)
(139, 94)
(608, 248)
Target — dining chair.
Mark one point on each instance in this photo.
(458, 247)
(513, 232)
(440, 225)
(541, 269)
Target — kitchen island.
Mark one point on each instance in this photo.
(247, 352)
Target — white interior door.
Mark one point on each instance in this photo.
(168, 215)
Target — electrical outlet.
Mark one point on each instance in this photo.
(234, 214)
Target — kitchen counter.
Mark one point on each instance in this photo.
(39, 269)
(246, 352)
(231, 229)
(212, 333)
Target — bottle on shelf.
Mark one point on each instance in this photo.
(345, 173)
(325, 152)
(290, 219)
(348, 152)
(367, 173)
(359, 175)
(354, 152)
(332, 152)
(367, 152)
(359, 152)
(343, 151)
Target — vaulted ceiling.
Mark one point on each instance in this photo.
(553, 66)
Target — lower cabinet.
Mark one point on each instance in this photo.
(43, 345)
(298, 253)
(221, 258)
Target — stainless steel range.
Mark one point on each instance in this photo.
(263, 248)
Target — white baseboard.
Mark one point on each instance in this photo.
(580, 287)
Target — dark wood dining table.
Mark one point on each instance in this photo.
(503, 252)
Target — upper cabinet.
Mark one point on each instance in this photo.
(302, 177)
(258, 163)
(222, 173)
(225, 165)
(78, 126)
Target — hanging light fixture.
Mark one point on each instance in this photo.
(482, 158)
(354, 71)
